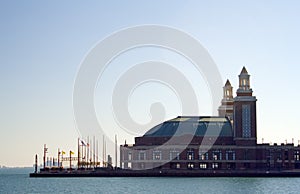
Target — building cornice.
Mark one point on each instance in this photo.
(245, 98)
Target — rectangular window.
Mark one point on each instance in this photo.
(174, 155)
(217, 155)
(230, 155)
(142, 155)
(215, 165)
(279, 154)
(203, 155)
(286, 155)
(129, 156)
(246, 120)
(190, 165)
(202, 165)
(142, 165)
(297, 155)
(156, 155)
(246, 155)
(190, 155)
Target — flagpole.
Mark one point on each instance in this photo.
(78, 154)
(36, 163)
(85, 155)
(116, 151)
(97, 153)
(94, 144)
(70, 160)
(88, 151)
(62, 157)
(81, 153)
(103, 154)
(44, 158)
(58, 165)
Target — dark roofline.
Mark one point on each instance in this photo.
(199, 117)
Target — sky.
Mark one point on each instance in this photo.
(43, 44)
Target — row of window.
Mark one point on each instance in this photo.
(202, 165)
(282, 155)
(175, 155)
(215, 155)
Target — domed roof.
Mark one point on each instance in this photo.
(198, 126)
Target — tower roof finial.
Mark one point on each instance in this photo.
(227, 83)
(244, 70)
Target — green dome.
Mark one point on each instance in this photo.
(198, 126)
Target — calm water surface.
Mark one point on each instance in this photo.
(21, 183)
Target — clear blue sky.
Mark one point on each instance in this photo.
(44, 42)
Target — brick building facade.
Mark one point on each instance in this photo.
(226, 142)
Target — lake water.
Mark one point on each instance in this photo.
(21, 183)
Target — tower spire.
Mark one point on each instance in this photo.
(226, 108)
(244, 70)
(227, 90)
(244, 83)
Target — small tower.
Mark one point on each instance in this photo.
(226, 108)
(244, 112)
(244, 84)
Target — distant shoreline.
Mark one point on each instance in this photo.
(16, 170)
